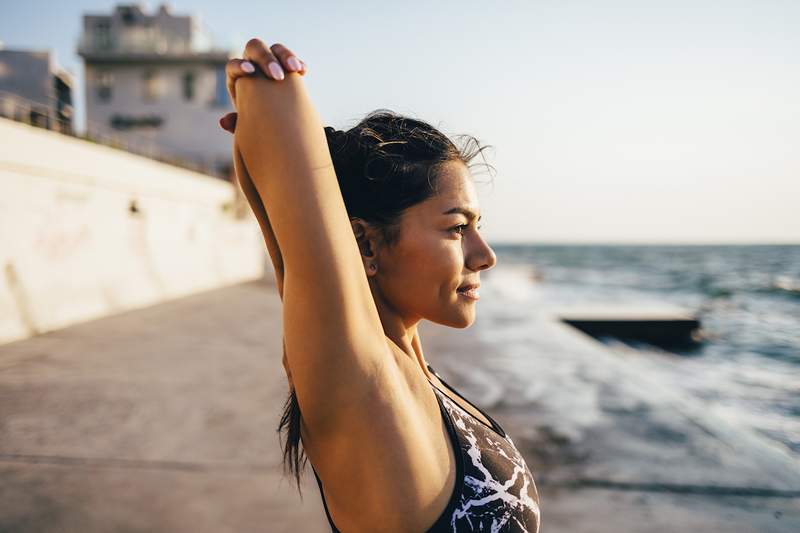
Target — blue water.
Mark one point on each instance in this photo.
(746, 297)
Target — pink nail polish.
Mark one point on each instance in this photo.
(248, 67)
(276, 70)
(294, 63)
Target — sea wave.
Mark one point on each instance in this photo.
(747, 298)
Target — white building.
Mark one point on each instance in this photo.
(155, 82)
(34, 89)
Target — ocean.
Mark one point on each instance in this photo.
(747, 297)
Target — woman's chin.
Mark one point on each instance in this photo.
(464, 319)
(466, 324)
(458, 314)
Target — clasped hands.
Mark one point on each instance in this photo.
(272, 61)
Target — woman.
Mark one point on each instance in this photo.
(370, 231)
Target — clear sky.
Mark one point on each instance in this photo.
(613, 121)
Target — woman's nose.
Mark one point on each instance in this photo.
(482, 257)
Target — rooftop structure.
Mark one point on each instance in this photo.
(132, 34)
(156, 80)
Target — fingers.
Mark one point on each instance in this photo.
(273, 61)
(262, 56)
(236, 68)
(289, 61)
(228, 122)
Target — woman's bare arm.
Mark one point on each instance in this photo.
(249, 190)
(234, 69)
(334, 339)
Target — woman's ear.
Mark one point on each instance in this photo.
(367, 239)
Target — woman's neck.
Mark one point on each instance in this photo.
(402, 333)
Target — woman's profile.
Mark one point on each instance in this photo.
(371, 230)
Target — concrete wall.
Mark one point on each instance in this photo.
(87, 231)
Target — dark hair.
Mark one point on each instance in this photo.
(384, 165)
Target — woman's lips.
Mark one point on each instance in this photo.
(471, 293)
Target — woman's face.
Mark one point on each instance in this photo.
(439, 250)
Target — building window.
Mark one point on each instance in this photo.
(221, 92)
(129, 14)
(150, 86)
(127, 122)
(102, 34)
(188, 86)
(105, 82)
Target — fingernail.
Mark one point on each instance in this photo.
(294, 63)
(248, 67)
(276, 70)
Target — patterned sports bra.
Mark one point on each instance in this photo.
(494, 490)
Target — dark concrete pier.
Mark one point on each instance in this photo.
(666, 327)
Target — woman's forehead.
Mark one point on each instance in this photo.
(455, 186)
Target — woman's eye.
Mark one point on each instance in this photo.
(459, 229)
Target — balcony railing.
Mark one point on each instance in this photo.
(142, 41)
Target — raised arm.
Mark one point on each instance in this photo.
(260, 212)
(246, 183)
(335, 344)
(237, 68)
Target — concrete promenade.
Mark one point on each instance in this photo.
(159, 419)
(163, 419)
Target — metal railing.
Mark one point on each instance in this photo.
(145, 41)
(58, 117)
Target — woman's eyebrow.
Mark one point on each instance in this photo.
(469, 213)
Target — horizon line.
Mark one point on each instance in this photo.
(641, 243)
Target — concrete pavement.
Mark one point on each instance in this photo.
(163, 419)
(160, 419)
